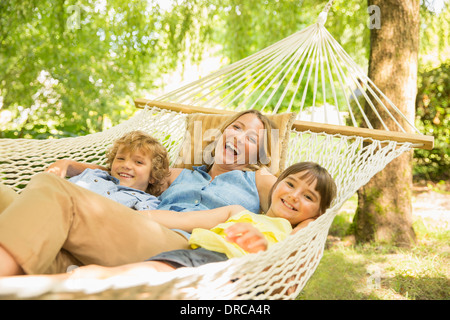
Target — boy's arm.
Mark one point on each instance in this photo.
(70, 168)
(187, 221)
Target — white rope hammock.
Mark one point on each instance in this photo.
(310, 62)
(307, 65)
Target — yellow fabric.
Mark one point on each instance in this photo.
(274, 229)
(202, 132)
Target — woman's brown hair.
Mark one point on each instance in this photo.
(264, 153)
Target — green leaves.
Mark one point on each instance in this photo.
(70, 64)
(71, 67)
(433, 118)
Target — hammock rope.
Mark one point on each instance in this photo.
(267, 275)
(280, 78)
(310, 59)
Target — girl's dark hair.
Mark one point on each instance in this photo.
(313, 171)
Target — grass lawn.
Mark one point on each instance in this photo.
(375, 272)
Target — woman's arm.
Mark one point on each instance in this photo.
(264, 182)
(174, 173)
(70, 168)
(187, 221)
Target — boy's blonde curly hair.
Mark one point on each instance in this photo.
(139, 140)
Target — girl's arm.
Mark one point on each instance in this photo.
(246, 236)
(187, 221)
(251, 239)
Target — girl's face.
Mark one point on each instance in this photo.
(132, 168)
(239, 144)
(295, 200)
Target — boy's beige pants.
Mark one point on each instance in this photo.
(54, 223)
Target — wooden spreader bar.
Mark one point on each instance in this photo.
(418, 141)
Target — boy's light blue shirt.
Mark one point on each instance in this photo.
(103, 183)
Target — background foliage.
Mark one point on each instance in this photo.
(433, 118)
(72, 67)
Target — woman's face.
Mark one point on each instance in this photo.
(240, 142)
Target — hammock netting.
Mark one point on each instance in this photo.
(307, 73)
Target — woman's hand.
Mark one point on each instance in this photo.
(247, 237)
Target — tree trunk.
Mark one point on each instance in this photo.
(384, 211)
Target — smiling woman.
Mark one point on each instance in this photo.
(238, 173)
(240, 141)
(245, 143)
